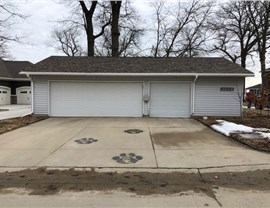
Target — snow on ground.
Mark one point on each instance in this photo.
(265, 135)
(227, 128)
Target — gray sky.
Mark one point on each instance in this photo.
(42, 14)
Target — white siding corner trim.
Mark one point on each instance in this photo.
(40, 95)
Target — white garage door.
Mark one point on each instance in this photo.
(170, 99)
(4, 95)
(95, 99)
(23, 95)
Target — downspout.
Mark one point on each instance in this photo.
(193, 93)
(32, 94)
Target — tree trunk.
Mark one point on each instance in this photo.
(243, 60)
(116, 6)
(90, 45)
(88, 14)
(265, 83)
(90, 35)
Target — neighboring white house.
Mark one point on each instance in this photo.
(136, 87)
(12, 84)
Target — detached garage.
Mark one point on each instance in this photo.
(136, 87)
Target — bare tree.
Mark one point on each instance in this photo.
(160, 27)
(88, 24)
(8, 17)
(130, 31)
(233, 31)
(82, 17)
(259, 14)
(118, 32)
(115, 34)
(68, 40)
(180, 29)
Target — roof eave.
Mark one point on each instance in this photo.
(14, 79)
(137, 74)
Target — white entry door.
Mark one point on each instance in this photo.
(95, 99)
(4, 95)
(24, 95)
(170, 99)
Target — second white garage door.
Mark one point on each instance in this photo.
(170, 99)
(23, 95)
(95, 99)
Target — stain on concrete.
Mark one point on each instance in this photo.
(176, 139)
(172, 139)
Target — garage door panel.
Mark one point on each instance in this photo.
(170, 99)
(96, 99)
(4, 95)
(24, 96)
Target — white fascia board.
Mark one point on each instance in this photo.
(137, 74)
(14, 79)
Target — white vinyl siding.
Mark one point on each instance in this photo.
(95, 99)
(211, 101)
(170, 99)
(40, 95)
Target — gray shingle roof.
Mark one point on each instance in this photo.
(11, 69)
(137, 65)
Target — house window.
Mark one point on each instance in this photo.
(227, 89)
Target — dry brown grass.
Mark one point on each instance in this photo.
(7, 125)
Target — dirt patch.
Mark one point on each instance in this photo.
(7, 125)
(4, 110)
(47, 182)
(255, 141)
(44, 182)
(258, 180)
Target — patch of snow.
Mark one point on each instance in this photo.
(265, 135)
(261, 129)
(228, 128)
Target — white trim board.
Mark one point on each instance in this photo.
(138, 74)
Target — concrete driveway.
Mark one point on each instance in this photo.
(164, 143)
(13, 111)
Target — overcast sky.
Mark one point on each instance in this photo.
(42, 16)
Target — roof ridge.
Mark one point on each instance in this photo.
(151, 57)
